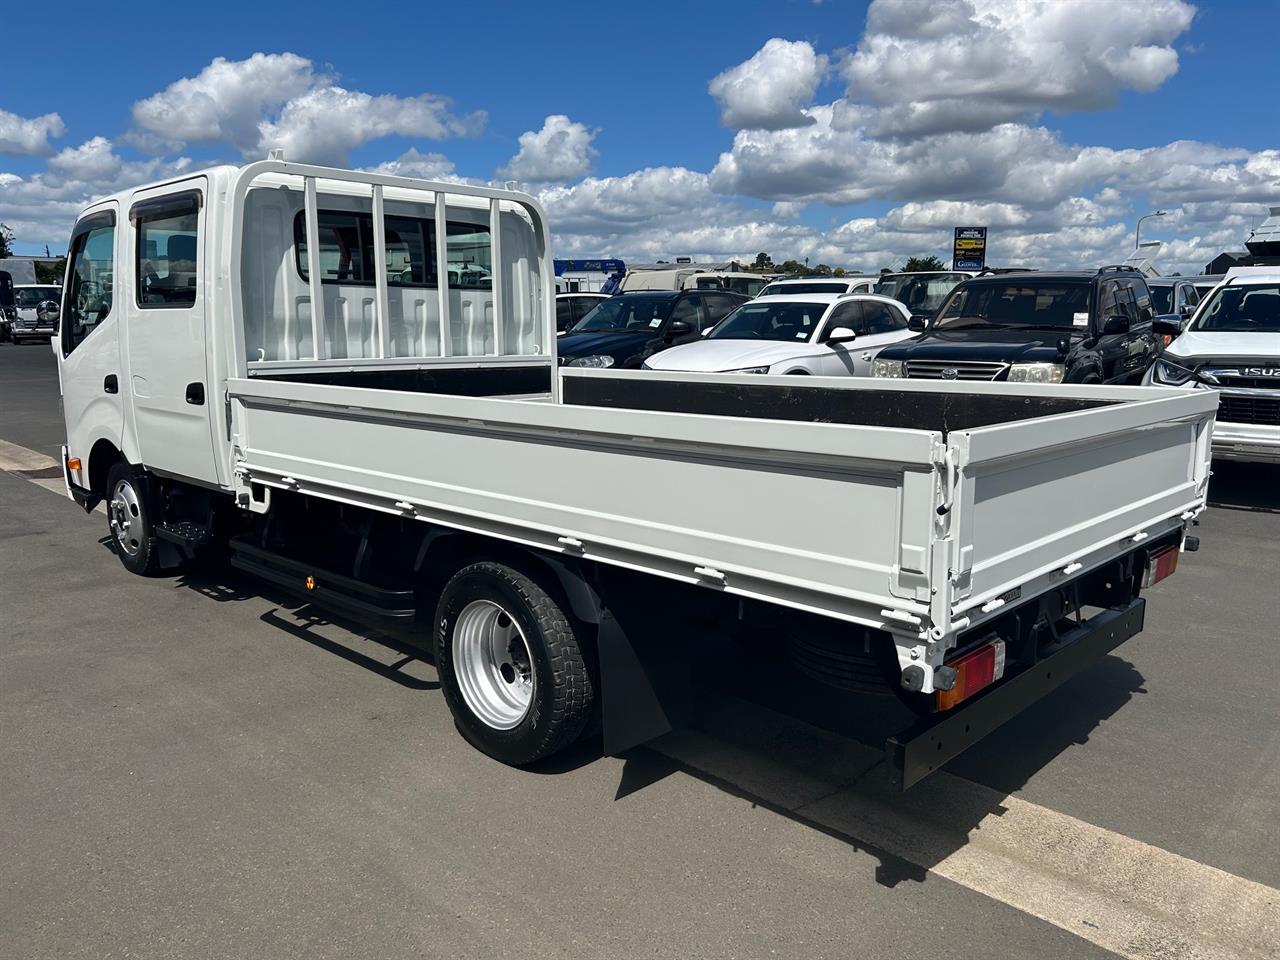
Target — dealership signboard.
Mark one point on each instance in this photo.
(970, 250)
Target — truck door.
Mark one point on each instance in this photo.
(88, 339)
(168, 375)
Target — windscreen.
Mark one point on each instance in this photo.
(633, 313)
(813, 286)
(1252, 309)
(770, 320)
(1017, 304)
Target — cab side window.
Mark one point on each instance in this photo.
(688, 311)
(166, 264)
(1140, 307)
(881, 318)
(845, 315)
(1111, 302)
(87, 293)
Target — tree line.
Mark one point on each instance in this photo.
(763, 263)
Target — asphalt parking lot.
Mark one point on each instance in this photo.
(199, 767)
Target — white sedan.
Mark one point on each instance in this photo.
(821, 334)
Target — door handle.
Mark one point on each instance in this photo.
(195, 393)
(110, 384)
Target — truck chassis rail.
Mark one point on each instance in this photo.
(927, 745)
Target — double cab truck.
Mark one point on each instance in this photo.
(1041, 328)
(274, 364)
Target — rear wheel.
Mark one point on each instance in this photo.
(510, 664)
(129, 522)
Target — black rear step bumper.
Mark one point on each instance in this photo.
(925, 747)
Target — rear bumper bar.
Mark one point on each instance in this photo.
(925, 747)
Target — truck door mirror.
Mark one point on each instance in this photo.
(840, 335)
(918, 323)
(679, 328)
(1168, 325)
(1114, 325)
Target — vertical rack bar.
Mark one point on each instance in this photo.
(313, 267)
(382, 336)
(496, 273)
(442, 272)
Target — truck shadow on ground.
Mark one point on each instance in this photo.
(814, 755)
(768, 735)
(1245, 486)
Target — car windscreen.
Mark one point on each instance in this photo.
(920, 295)
(817, 286)
(34, 296)
(770, 320)
(1161, 298)
(1017, 304)
(1252, 309)
(634, 313)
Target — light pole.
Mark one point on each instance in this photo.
(1137, 232)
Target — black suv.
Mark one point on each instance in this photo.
(627, 329)
(1036, 328)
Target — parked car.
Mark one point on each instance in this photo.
(1174, 295)
(816, 333)
(572, 307)
(1080, 327)
(1232, 345)
(627, 329)
(36, 306)
(922, 291)
(819, 285)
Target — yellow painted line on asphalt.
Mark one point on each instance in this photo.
(1126, 896)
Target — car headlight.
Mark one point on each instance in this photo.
(1170, 374)
(887, 368)
(1036, 373)
(602, 360)
(764, 369)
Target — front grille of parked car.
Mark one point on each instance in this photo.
(963, 370)
(1235, 378)
(1234, 408)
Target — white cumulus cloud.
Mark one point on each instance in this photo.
(22, 135)
(561, 150)
(771, 90)
(280, 100)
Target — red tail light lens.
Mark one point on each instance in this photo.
(975, 671)
(1163, 563)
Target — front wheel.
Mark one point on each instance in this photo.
(510, 664)
(129, 521)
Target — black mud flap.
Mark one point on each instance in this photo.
(925, 747)
(644, 675)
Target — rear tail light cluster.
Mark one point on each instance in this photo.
(975, 670)
(1162, 564)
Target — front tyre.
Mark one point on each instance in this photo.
(129, 521)
(510, 664)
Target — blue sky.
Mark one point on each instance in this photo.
(647, 161)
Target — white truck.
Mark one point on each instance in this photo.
(269, 361)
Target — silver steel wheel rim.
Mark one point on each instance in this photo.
(492, 663)
(125, 515)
